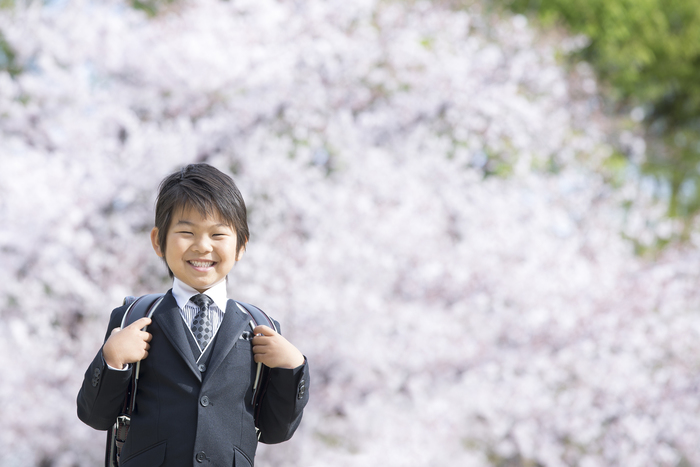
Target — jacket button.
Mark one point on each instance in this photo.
(204, 401)
(301, 390)
(201, 456)
(96, 377)
(202, 367)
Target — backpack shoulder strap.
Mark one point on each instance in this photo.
(262, 374)
(140, 307)
(259, 316)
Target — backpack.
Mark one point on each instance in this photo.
(144, 306)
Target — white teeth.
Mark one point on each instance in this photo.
(201, 264)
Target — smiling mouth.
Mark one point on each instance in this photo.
(201, 264)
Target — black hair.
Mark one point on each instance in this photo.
(210, 192)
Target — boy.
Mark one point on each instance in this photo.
(193, 405)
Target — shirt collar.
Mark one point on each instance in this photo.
(183, 292)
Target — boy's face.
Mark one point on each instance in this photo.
(200, 251)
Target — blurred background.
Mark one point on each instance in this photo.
(477, 219)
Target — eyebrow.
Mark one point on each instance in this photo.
(180, 222)
(186, 222)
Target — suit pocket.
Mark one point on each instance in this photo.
(240, 459)
(149, 457)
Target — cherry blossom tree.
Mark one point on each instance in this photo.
(430, 222)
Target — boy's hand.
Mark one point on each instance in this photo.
(128, 345)
(273, 350)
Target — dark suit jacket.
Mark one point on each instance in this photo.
(189, 414)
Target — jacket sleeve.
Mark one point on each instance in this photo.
(283, 403)
(102, 394)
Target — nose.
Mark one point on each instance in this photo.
(202, 244)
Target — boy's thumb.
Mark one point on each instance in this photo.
(141, 323)
(115, 330)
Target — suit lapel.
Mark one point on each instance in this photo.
(169, 318)
(232, 326)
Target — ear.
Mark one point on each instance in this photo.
(155, 243)
(240, 252)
